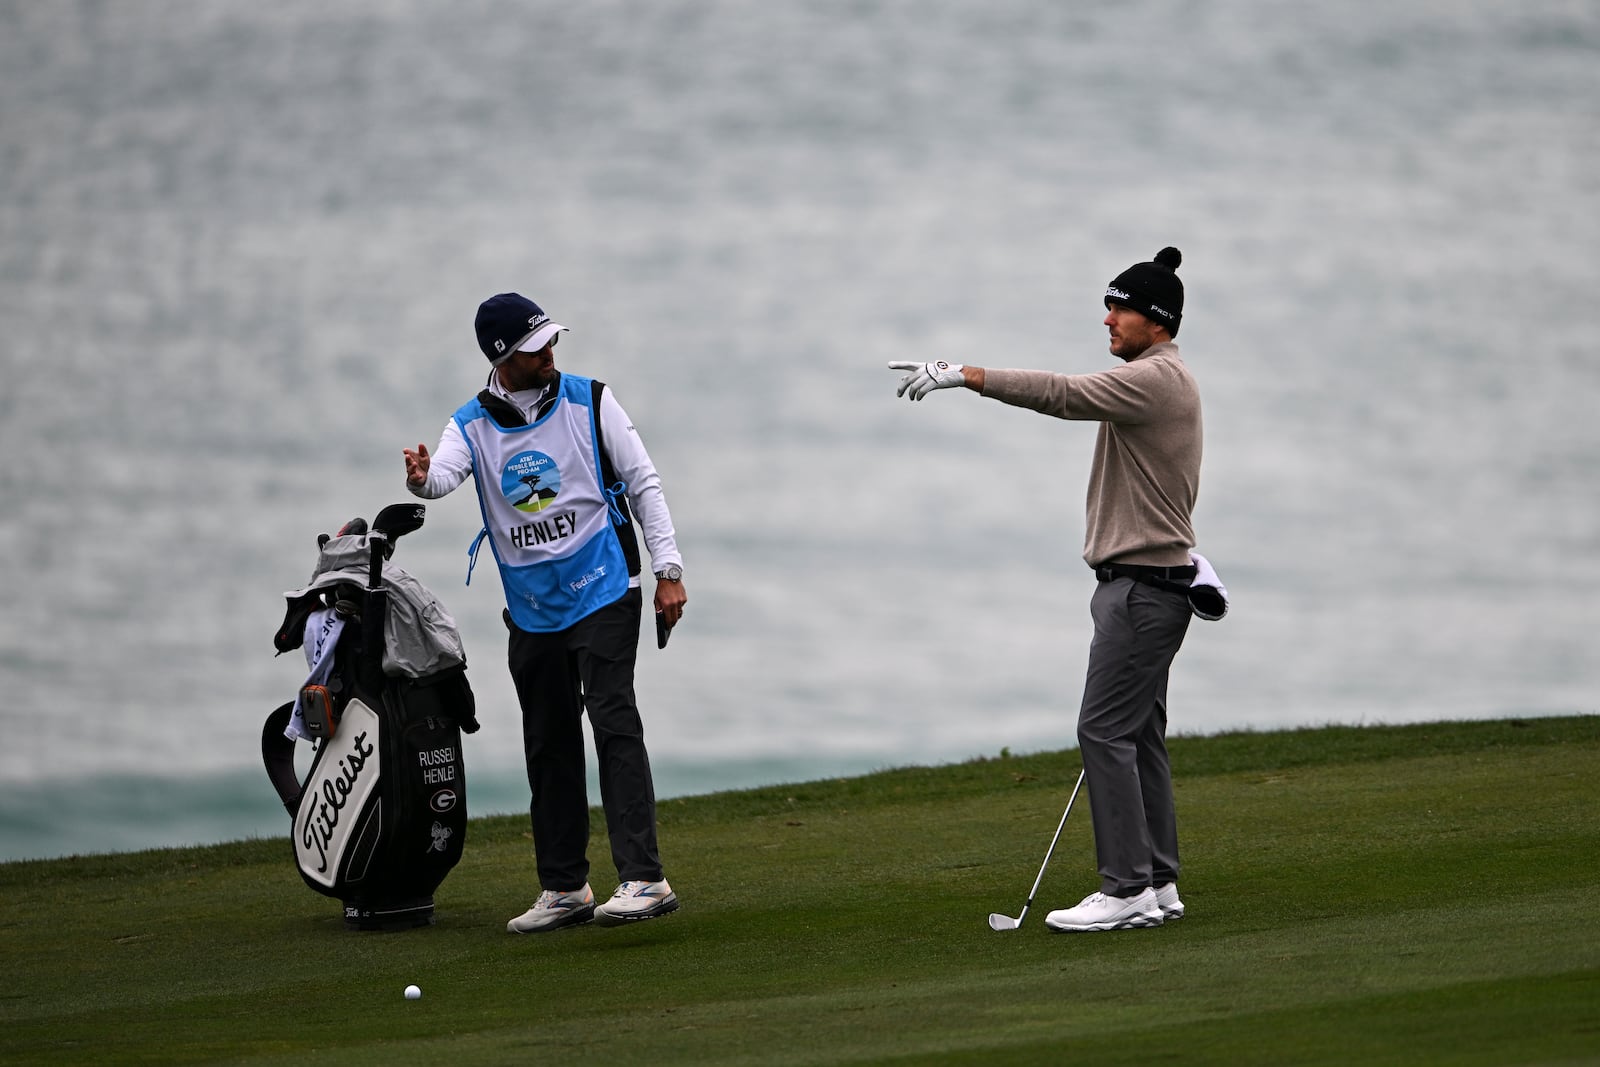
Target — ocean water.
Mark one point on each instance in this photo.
(241, 247)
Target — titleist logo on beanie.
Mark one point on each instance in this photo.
(1153, 289)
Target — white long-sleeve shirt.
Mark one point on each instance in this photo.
(451, 464)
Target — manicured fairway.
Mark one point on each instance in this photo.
(1406, 895)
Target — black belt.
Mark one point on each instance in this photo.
(1110, 572)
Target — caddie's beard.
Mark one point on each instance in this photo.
(527, 371)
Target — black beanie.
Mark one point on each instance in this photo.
(1152, 289)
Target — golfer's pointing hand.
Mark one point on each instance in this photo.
(417, 464)
(926, 377)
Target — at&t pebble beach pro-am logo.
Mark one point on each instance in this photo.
(531, 481)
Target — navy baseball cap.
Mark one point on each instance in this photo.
(510, 322)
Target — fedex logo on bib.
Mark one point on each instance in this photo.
(531, 481)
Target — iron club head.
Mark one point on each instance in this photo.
(1006, 922)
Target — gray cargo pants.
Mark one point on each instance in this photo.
(1122, 729)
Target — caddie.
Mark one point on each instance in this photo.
(563, 481)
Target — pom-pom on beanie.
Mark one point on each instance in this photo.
(1153, 289)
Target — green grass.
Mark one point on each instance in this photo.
(1394, 895)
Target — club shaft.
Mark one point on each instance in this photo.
(1051, 850)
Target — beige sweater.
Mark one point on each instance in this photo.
(1146, 457)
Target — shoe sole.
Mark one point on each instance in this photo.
(605, 918)
(575, 917)
(1136, 922)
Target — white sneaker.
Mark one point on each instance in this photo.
(634, 901)
(1167, 900)
(1100, 912)
(554, 910)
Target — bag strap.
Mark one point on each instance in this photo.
(277, 752)
(622, 515)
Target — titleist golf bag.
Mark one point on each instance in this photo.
(381, 816)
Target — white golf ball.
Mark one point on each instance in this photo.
(413, 993)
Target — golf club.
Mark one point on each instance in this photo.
(1006, 922)
(393, 523)
(397, 520)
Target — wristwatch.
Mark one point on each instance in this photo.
(673, 573)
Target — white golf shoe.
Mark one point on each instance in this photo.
(1167, 900)
(1100, 912)
(634, 901)
(554, 910)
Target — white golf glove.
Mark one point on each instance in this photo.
(926, 377)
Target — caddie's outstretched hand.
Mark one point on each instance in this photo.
(926, 377)
(417, 464)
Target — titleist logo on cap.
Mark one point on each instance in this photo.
(1116, 294)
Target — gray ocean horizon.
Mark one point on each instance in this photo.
(242, 249)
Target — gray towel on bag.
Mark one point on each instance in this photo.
(419, 636)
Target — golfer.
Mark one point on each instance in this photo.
(1137, 539)
(560, 474)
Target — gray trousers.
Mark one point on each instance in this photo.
(1122, 729)
(558, 676)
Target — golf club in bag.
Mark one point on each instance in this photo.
(381, 816)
